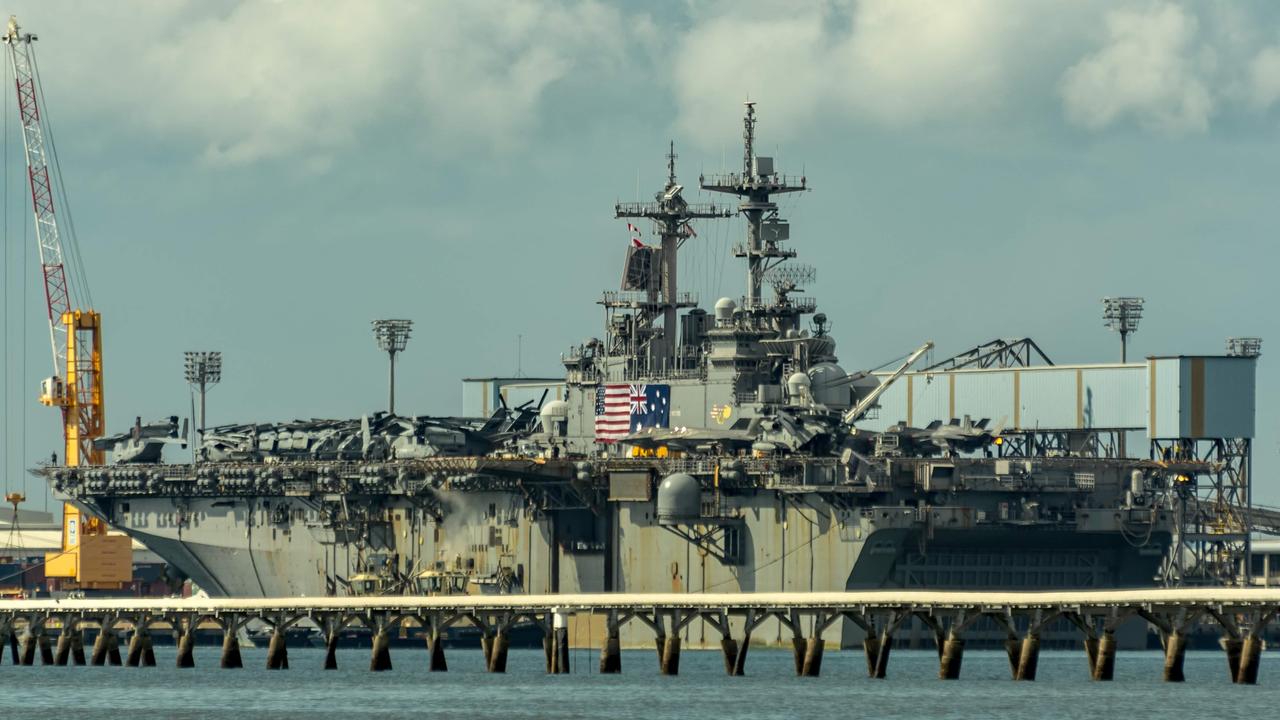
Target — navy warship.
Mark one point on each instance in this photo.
(695, 450)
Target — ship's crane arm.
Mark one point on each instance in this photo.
(857, 412)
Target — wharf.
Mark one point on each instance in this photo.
(1240, 614)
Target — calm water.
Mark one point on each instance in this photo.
(771, 690)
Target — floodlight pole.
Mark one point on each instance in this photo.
(203, 369)
(392, 336)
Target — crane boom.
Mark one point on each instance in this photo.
(76, 383)
(90, 557)
(855, 414)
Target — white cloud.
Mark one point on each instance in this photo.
(1264, 77)
(255, 80)
(884, 60)
(1153, 69)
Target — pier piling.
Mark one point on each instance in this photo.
(187, 647)
(277, 650)
(380, 657)
(63, 652)
(951, 657)
(671, 655)
(1233, 646)
(331, 650)
(45, 643)
(29, 649)
(230, 648)
(1028, 657)
(814, 648)
(729, 648)
(77, 646)
(1250, 655)
(498, 652)
(10, 638)
(1104, 668)
(1175, 653)
(740, 662)
(435, 648)
(611, 653)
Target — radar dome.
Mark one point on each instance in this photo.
(679, 499)
(798, 386)
(830, 385)
(724, 309)
(551, 413)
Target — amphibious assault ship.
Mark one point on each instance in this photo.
(688, 450)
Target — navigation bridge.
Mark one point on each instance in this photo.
(1241, 616)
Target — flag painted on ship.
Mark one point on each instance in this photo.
(622, 409)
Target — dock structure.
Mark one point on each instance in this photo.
(1240, 615)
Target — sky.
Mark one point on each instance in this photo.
(265, 178)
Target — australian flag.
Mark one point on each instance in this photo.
(622, 409)
(650, 406)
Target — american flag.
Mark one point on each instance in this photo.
(622, 409)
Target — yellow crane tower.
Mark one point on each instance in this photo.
(90, 558)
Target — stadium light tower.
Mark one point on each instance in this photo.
(1122, 315)
(203, 370)
(392, 336)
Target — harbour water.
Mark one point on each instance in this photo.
(769, 691)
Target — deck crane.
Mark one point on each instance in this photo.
(90, 558)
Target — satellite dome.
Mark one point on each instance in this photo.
(798, 386)
(830, 385)
(679, 499)
(724, 309)
(551, 413)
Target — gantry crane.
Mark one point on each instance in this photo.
(90, 558)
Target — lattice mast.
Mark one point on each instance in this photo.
(671, 216)
(76, 384)
(765, 231)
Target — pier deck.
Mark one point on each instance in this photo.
(1240, 614)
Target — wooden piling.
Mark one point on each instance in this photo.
(29, 649)
(611, 653)
(380, 657)
(331, 650)
(1175, 653)
(1029, 657)
(134, 658)
(63, 652)
(230, 648)
(740, 662)
(562, 651)
(277, 650)
(729, 648)
(671, 655)
(498, 652)
(871, 647)
(952, 657)
(187, 648)
(1104, 669)
(1250, 657)
(797, 654)
(435, 647)
(1233, 646)
(813, 651)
